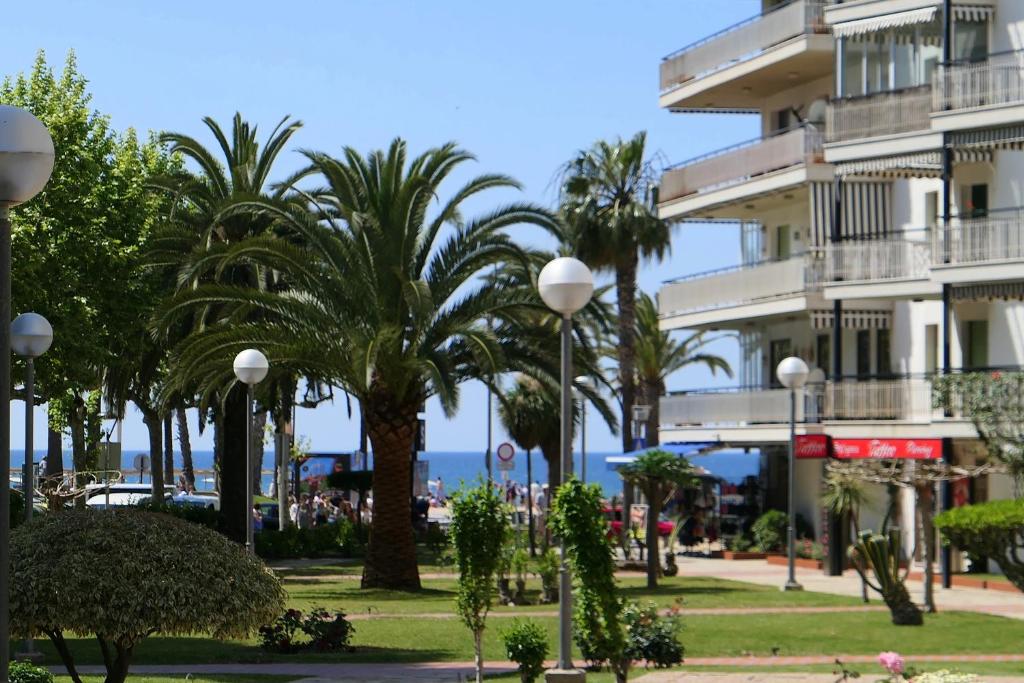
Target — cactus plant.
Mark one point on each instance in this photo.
(881, 554)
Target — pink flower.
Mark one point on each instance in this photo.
(892, 662)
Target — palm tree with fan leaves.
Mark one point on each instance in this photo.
(385, 300)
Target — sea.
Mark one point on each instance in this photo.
(456, 467)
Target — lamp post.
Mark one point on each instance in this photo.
(31, 336)
(26, 161)
(250, 367)
(792, 373)
(641, 414)
(586, 383)
(566, 286)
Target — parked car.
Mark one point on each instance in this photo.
(205, 499)
(122, 495)
(271, 519)
(614, 517)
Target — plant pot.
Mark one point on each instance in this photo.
(671, 568)
(549, 594)
(802, 562)
(504, 594)
(742, 555)
(519, 597)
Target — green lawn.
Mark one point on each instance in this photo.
(191, 679)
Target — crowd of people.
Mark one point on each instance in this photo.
(316, 509)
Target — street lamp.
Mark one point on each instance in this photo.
(251, 367)
(26, 161)
(566, 286)
(31, 336)
(641, 414)
(792, 373)
(584, 382)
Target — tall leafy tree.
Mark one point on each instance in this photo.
(213, 213)
(386, 302)
(76, 247)
(659, 354)
(607, 202)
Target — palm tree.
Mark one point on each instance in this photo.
(844, 496)
(385, 302)
(212, 213)
(525, 412)
(658, 355)
(607, 194)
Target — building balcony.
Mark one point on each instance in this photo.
(897, 266)
(874, 15)
(979, 94)
(736, 295)
(885, 407)
(882, 124)
(736, 68)
(984, 249)
(713, 184)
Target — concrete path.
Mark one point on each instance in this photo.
(997, 603)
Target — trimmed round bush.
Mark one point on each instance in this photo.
(124, 575)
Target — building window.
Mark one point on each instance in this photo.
(823, 349)
(970, 40)
(976, 345)
(883, 353)
(900, 58)
(863, 353)
(778, 349)
(931, 349)
(974, 200)
(783, 243)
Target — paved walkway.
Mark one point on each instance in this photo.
(997, 603)
(694, 611)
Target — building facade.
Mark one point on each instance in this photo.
(881, 225)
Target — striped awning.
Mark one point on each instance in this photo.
(995, 291)
(884, 22)
(918, 165)
(852, 319)
(972, 13)
(866, 210)
(1007, 137)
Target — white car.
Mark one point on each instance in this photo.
(122, 495)
(205, 499)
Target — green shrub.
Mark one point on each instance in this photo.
(770, 531)
(990, 530)
(325, 632)
(652, 638)
(526, 644)
(339, 538)
(23, 672)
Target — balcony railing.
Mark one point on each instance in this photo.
(887, 113)
(882, 399)
(741, 162)
(742, 41)
(999, 79)
(740, 285)
(907, 399)
(994, 238)
(890, 258)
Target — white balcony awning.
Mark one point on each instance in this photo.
(996, 291)
(918, 165)
(859, 27)
(852, 319)
(972, 13)
(1007, 137)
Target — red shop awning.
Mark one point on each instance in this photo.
(811, 446)
(887, 449)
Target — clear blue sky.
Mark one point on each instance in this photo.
(521, 85)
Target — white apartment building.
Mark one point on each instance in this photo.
(881, 223)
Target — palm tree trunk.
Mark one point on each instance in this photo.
(925, 500)
(187, 468)
(168, 449)
(54, 452)
(625, 292)
(529, 501)
(260, 425)
(391, 556)
(650, 393)
(233, 471)
(653, 554)
(154, 426)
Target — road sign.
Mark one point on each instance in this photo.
(142, 462)
(506, 452)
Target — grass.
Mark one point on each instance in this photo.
(192, 679)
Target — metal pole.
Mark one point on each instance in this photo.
(28, 478)
(284, 448)
(5, 439)
(565, 583)
(791, 584)
(248, 468)
(488, 461)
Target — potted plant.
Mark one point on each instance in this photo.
(548, 566)
(520, 564)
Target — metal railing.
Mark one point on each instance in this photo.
(742, 41)
(886, 113)
(998, 79)
(882, 399)
(904, 399)
(888, 258)
(741, 162)
(994, 238)
(743, 284)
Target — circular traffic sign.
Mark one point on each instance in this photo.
(506, 452)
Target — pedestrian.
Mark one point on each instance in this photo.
(440, 492)
(257, 518)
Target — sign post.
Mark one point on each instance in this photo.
(506, 457)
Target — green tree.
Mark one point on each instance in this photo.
(75, 247)
(991, 530)
(658, 474)
(97, 592)
(658, 355)
(607, 194)
(479, 530)
(213, 212)
(526, 414)
(385, 302)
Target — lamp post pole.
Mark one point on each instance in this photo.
(566, 286)
(250, 368)
(792, 373)
(26, 161)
